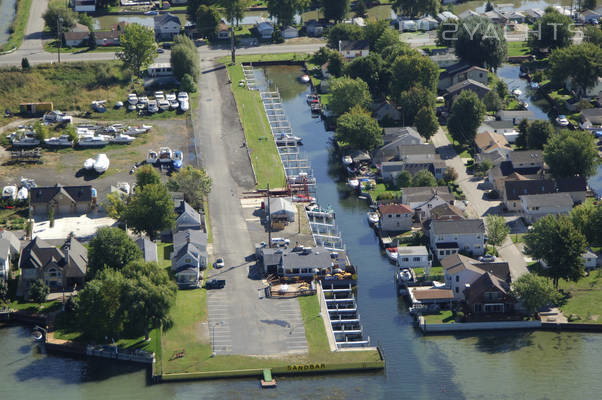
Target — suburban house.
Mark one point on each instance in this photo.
(282, 210)
(461, 271)
(536, 206)
(515, 116)
(453, 91)
(533, 14)
(427, 23)
(505, 128)
(488, 295)
(159, 69)
(590, 260)
(408, 25)
(290, 32)
(76, 38)
(395, 217)
(592, 91)
(187, 218)
(446, 211)
(413, 257)
(314, 28)
(526, 159)
(385, 111)
(62, 199)
(223, 31)
(393, 138)
(576, 186)
(423, 199)
(167, 26)
(305, 263)
(516, 17)
(488, 142)
(189, 256)
(451, 237)
(86, 6)
(589, 16)
(446, 16)
(13, 240)
(390, 170)
(460, 72)
(108, 38)
(591, 119)
(149, 249)
(5, 258)
(62, 267)
(513, 189)
(265, 30)
(354, 48)
(495, 16)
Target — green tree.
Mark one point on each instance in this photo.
(3, 291)
(150, 210)
(111, 248)
(335, 9)
(538, 133)
(347, 93)
(322, 55)
(404, 179)
(147, 175)
(466, 116)
(335, 64)
(139, 47)
(570, 153)
(523, 127)
(284, 10)
(115, 205)
(41, 131)
(344, 32)
(25, 64)
(492, 101)
(207, 21)
(187, 84)
(586, 218)
(450, 174)
(589, 4)
(399, 49)
(104, 4)
(413, 8)
(426, 122)
(194, 183)
(235, 11)
(497, 229)
(446, 32)
(38, 291)
(481, 42)
(357, 128)
(555, 240)
(502, 89)
(413, 70)
(424, 178)
(582, 64)
(412, 101)
(389, 37)
(360, 9)
(373, 30)
(488, 6)
(372, 70)
(92, 40)
(57, 11)
(552, 32)
(192, 7)
(593, 34)
(184, 58)
(535, 292)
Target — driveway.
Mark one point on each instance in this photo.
(83, 226)
(240, 319)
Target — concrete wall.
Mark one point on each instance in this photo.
(477, 326)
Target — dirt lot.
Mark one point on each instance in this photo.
(65, 166)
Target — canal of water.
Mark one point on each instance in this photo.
(506, 365)
(7, 14)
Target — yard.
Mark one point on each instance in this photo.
(463, 151)
(518, 49)
(442, 317)
(584, 299)
(435, 274)
(385, 191)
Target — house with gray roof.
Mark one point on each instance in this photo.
(187, 217)
(167, 26)
(305, 263)
(351, 49)
(452, 236)
(462, 271)
(402, 144)
(64, 200)
(513, 189)
(474, 86)
(149, 249)
(515, 116)
(189, 256)
(459, 73)
(488, 295)
(536, 206)
(522, 159)
(424, 199)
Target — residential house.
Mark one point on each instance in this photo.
(5, 258)
(390, 170)
(462, 271)
(459, 72)
(189, 256)
(87, 6)
(488, 142)
(265, 30)
(385, 111)
(446, 211)
(590, 260)
(515, 116)
(149, 249)
(13, 240)
(488, 295)
(421, 295)
(395, 158)
(453, 91)
(516, 17)
(159, 69)
(167, 26)
(590, 92)
(393, 138)
(534, 207)
(526, 159)
(187, 218)
(305, 263)
(63, 200)
(446, 16)
(359, 21)
(314, 28)
(503, 172)
(408, 25)
(413, 257)
(416, 152)
(495, 157)
(427, 23)
(76, 39)
(444, 60)
(351, 49)
(591, 119)
(452, 236)
(424, 199)
(589, 16)
(290, 32)
(282, 210)
(532, 15)
(575, 186)
(513, 189)
(505, 128)
(61, 268)
(495, 16)
(108, 38)
(395, 217)
(468, 13)
(223, 31)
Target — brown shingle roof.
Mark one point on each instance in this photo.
(394, 209)
(486, 141)
(485, 282)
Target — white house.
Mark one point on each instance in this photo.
(423, 199)
(290, 32)
(461, 271)
(189, 256)
(354, 48)
(159, 69)
(4, 259)
(413, 257)
(536, 206)
(451, 236)
(314, 28)
(427, 23)
(408, 25)
(446, 16)
(265, 29)
(15, 244)
(590, 260)
(395, 217)
(593, 91)
(167, 26)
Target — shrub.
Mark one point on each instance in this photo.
(188, 84)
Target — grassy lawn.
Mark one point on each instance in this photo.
(435, 274)
(265, 57)
(518, 49)
(462, 150)
(13, 218)
(385, 190)
(443, 317)
(518, 238)
(17, 28)
(585, 298)
(52, 47)
(48, 306)
(264, 155)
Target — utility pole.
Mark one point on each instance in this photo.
(59, 38)
(269, 219)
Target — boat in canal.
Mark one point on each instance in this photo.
(347, 160)
(392, 254)
(285, 139)
(373, 217)
(353, 183)
(304, 78)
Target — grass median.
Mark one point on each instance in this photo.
(17, 28)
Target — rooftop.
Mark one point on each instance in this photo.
(516, 188)
(548, 200)
(353, 45)
(310, 258)
(412, 250)
(532, 157)
(394, 209)
(464, 226)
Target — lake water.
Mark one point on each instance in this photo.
(7, 14)
(509, 74)
(505, 365)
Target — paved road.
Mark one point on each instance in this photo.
(478, 206)
(245, 322)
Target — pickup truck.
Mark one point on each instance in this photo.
(215, 284)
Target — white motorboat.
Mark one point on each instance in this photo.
(122, 139)
(163, 105)
(89, 164)
(61, 141)
(118, 104)
(562, 120)
(132, 98)
(152, 106)
(517, 92)
(173, 104)
(354, 183)
(132, 107)
(178, 159)
(92, 141)
(9, 192)
(28, 183)
(124, 187)
(152, 157)
(392, 253)
(22, 194)
(165, 155)
(159, 95)
(182, 96)
(347, 160)
(101, 164)
(404, 275)
(373, 218)
(184, 105)
(170, 96)
(140, 106)
(304, 78)
(287, 140)
(143, 100)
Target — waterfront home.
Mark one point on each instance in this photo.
(282, 210)
(461, 271)
(420, 295)
(515, 116)
(223, 31)
(505, 128)
(87, 6)
(488, 295)
(167, 26)
(269, 259)
(513, 189)
(351, 49)
(591, 92)
(425, 198)
(413, 257)
(393, 138)
(305, 262)
(189, 256)
(62, 267)
(385, 111)
(76, 38)
(452, 236)
(187, 218)
(576, 186)
(453, 91)
(589, 16)
(591, 119)
(63, 200)
(265, 30)
(446, 211)
(534, 207)
(390, 170)
(13, 240)
(290, 32)
(459, 72)
(108, 38)
(4, 259)
(314, 28)
(526, 159)
(488, 142)
(395, 218)
(149, 249)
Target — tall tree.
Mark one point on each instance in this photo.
(373, 30)
(284, 10)
(335, 64)
(139, 47)
(426, 122)
(38, 291)
(150, 210)
(466, 116)
(423, 178)
(413, 100)
(480, 42)
(582, 64)
(589, 4)
(414, 70)
(335, 9)
(535, 292)
(555, 240)
(389, 37)
(587, 218)
(111, 248)
(570, 153)
(446, 32)
(194, 183)
(497, 229)
(235, 11)
(413, 8)
(593, 34)
(184, 58)
(552, 32)
(57, 11)
(492, 101)
(207, 21)
(538, 133)
(347, 93)
(372, 70)
(404, 179)
(192, 7)
(344, 32)
(147, 175)
(357, 128)
(115, 205)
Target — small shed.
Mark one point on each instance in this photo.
(282, 210)
(290, 32)
(265, 30)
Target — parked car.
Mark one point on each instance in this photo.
(487, 258)
(215, 284)
(280, 241)
(160, 50)
(219, 263)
